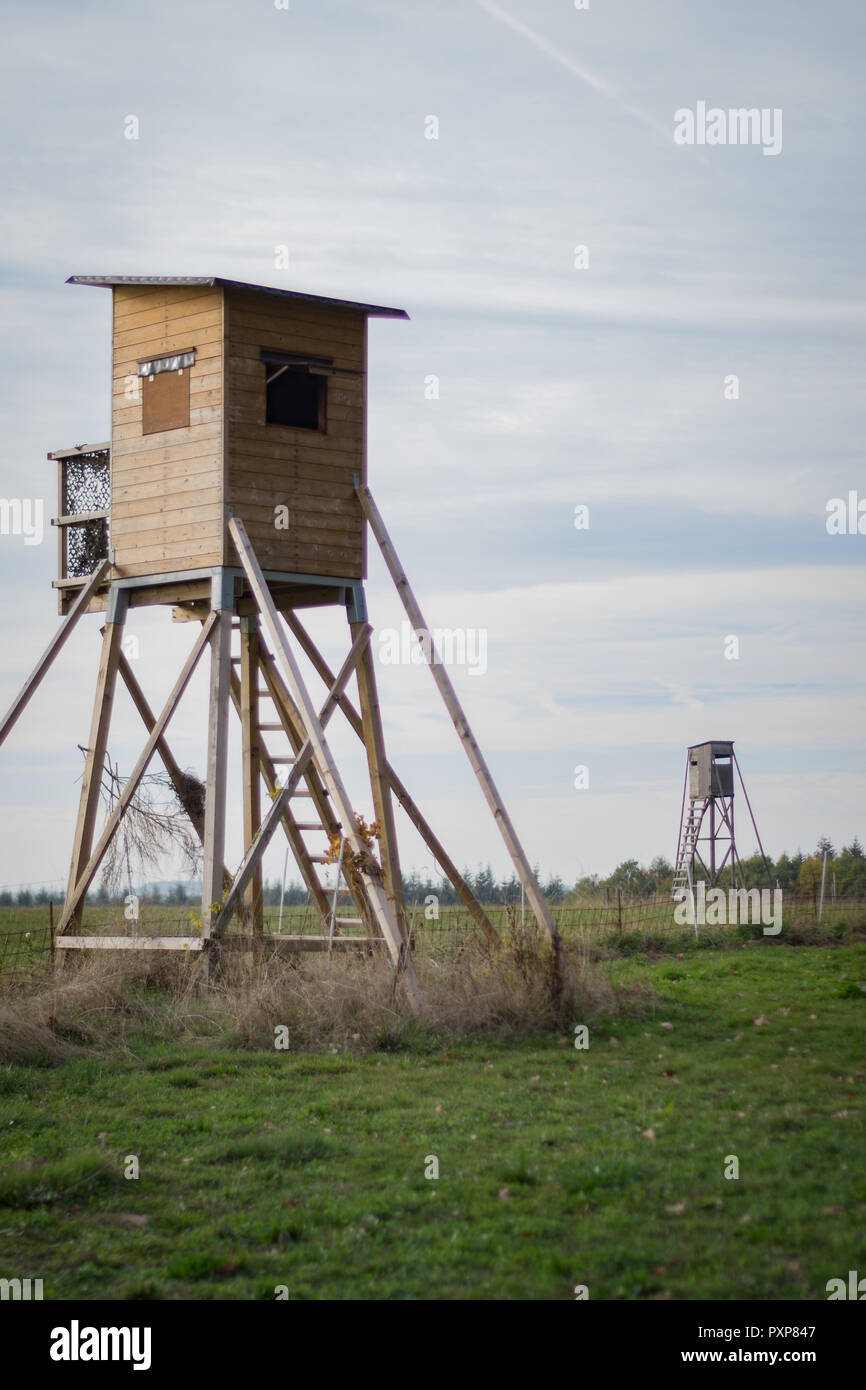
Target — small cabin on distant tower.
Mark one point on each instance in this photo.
(226, 398)
(711, 770)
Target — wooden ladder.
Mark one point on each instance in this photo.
(314, 795)
(686, 850)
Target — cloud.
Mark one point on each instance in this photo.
(558, 386)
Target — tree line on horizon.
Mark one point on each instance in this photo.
(800, 873)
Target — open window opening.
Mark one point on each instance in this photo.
(295, 387)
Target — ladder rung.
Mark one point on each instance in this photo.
(309, 825)
(348, 921)
(270, 728)
(321, 859)
(283, 760)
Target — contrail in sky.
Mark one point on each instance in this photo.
(564, 61)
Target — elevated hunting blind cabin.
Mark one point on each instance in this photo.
(226, 398)
(234, 490)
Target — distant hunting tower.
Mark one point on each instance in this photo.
(234, 489)
(707, 843)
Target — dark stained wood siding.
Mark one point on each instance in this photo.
(310, 472)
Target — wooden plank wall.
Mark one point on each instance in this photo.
(309, 472)
(167, 509)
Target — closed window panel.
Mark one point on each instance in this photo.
(165, 402)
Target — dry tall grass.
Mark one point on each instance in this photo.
(97, 1002)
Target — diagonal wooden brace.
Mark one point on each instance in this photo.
(169, 762)
(413, 811)
(458, 718)
(369, 875)
(54, 646)
(89, 873)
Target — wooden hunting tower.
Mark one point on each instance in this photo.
(234, 488)
(707, 843)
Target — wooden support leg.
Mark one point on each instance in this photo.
(459, 720)
(374, 743)
(327, 767)
(97, 744)
(251, 759)
(215, 801)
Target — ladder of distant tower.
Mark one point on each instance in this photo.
(686, 848)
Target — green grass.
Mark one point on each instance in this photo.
(557, 1167)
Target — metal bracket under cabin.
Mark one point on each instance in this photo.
(221, 583)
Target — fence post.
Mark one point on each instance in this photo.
(823, 880)
(619, 909)
(51, 928)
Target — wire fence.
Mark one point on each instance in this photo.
(22, 948)
(27, 933)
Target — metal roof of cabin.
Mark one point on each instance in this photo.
(208, 281)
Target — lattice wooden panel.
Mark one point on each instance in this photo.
(86, 488)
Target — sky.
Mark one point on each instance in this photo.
(451, 160)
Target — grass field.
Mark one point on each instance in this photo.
(557, 1166)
